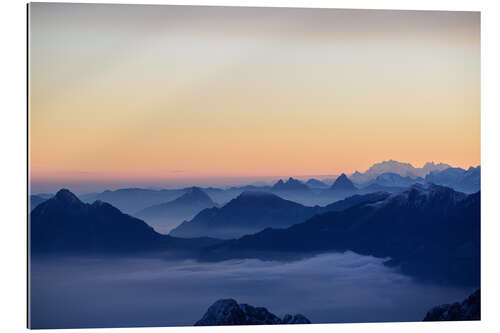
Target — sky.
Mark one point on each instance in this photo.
(179, 95)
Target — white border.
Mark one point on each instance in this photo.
(13, 141)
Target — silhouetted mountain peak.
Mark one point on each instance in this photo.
(66, 196)
(342, 183)
(290, 184)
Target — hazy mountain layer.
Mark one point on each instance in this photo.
(254, 211)
(35, 200)
(131, 200)
(431, 232)
(66, 224)
(165, 216)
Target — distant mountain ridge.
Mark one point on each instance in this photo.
(253, 211)
(460, 179)
(402, 169)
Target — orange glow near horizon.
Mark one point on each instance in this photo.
(123, 92)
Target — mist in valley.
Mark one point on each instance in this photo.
(116, 292)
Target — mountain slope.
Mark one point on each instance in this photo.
(250, 212)
(431, 232)
(66, 224)
(354, 200)
(390, 179)
(185, 207)
(35, 200)
(460, 179)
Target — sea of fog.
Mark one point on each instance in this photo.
(337, 287)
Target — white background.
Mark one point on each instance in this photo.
(13, 167)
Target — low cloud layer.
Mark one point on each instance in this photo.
(83, 292)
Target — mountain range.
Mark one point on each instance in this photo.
(389, 176)
(412, 227)
(253, 211)
(64, 224)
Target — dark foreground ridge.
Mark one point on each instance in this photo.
(470, 309)
(412, 227)
(229, 312)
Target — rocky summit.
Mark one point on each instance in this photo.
(469, 309)
(229, 312)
